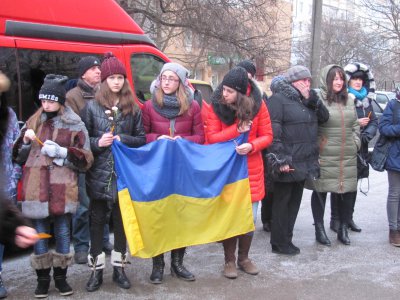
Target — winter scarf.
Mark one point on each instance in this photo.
(170, 108)
(360, 97)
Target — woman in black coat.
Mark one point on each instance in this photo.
(113, 115)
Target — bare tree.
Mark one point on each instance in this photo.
(345, 41)
(228, 29)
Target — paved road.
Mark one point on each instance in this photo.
(368, 269)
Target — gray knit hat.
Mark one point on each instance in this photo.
(297, 73)
(179, 70)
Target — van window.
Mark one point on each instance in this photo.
(33, 65)
(145, 68)
(8, 65)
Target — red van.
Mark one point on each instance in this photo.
(38, 37)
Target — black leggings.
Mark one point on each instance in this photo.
(99, 209)
(344, 202)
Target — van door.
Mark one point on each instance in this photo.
(144, 63)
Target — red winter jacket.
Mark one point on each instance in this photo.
(188, 126)
(260, 137)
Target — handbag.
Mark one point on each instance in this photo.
(382, 146)
(380, 153)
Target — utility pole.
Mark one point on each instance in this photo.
(316, 22)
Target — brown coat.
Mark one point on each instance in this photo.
(77, 97)
(48, 189)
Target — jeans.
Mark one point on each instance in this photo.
(61, 234)
(393, 200)
(255, 209)
(80, 220)
(286, 205)
(266, 207)
(1, 256)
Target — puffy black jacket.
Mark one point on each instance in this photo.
(101, 182)
(367, 133)
(295, 127)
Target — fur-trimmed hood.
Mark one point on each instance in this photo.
(287, 89)
(228, 114)
(369, 83)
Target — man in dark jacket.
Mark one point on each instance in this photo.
(295, 112)
(88, 84)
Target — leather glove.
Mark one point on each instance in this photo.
(52, 149)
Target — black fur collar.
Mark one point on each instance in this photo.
(228, 115)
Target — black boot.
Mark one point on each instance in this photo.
(335, 222)
(43, 279)
(3, 291)
(42, 264)
(97, 265)
(119, 277)
(61, 262)
(353, 226)
(320, 235)
(119, 261)
(177, 267)
(60, 280)
(158, 269)
(343, 234)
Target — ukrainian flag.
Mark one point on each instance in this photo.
(174, 194)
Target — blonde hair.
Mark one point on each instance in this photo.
(181, 94)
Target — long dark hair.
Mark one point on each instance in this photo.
(106, 98)
(243, 107)
(331, 96)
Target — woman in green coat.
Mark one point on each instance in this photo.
(338, 144)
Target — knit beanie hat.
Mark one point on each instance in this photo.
(110, 66)
(53, 88)
(248, 66)
(179, 70)
(297, 73)
(237, 79)
(86, 63)
(398, 92)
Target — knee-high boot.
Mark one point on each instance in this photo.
(335, 222)
(158, 269)
(119, 261)
(230, 270)
(97, 265)
(343, 234)
(353, 226)
(244, 263)
(61, 262)
(177, 267)
(42, 264)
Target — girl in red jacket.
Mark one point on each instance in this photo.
(172, 114)
(233, 113)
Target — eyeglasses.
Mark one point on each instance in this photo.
(170, 79)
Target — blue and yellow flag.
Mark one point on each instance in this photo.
(174, 194)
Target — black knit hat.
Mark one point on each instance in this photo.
(359, 75)
(53, 88)
(248, 66)
(86, 63)
(237, 79)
